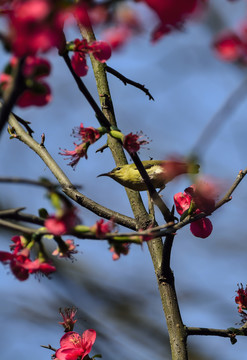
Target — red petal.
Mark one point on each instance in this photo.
(201, 228)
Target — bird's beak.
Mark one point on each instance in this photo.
(105, 174)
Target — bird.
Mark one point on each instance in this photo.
(160, 173)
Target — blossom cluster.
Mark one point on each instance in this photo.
(37, 25)
(88, 136)
(35, 91)
(74, 346)
(196, 199)
(173, 14)
(241, 300)
(101, 51)
(20, 263)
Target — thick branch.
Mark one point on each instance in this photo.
(175, 326)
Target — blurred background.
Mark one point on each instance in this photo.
(120, 299)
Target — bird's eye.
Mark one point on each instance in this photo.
(118, 168)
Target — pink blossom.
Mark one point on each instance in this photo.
(101, 228)
(79, 152)
(126, 25)
(68, 318)
(16, 263)
(36, 91)
(182, 202)
(62, 222)
(21, 265)
(229, 46)
(200, 228)
(41, 97)
(72, 345)
(66, 250)
(241, 298)
(132, 143)
(79, 64)
(100, 50)
(35, 67)
(119, 248)
(40, 266)
(204, 193)
(37, 25)
(117, 36)
(19, 244)
(89, 134)
(172, 14)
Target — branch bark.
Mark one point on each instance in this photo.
(176, 329)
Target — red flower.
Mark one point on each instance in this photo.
(101, 228)
(62, 222)
(37, 25)
(36, 91)
(118, 249)
(66, 250)
(182, 202)
(68, 319)
(100, 50)
(172, 14)
(16, 263)
(132, 143)
(39, 266)
(73, 345)
(79, 152)
(117, 36)
(21, 266)
(229, 46)
(241, 299)
(19, 244)
(204, 194)
(89, 134)
(200, 228)
(79, 64)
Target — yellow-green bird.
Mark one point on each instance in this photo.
(160, 173)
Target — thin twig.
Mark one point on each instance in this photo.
(10, 225)
(126, 81)
(227, 197)
(15, 214)
(49, 347)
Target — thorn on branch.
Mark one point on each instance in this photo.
(25, 123)
(42, 140)
(126, 81)
(102, 148)
(49, 347)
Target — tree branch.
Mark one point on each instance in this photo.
(67, 187)
(175, 325)
(126, 81)
(12, 93)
